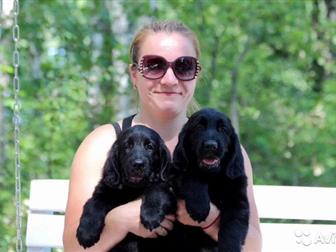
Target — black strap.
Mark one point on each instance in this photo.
(126, 123)
(117, 128)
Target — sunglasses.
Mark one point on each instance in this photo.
(154, 67)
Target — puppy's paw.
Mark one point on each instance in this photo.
(87, 237)
(198, 212)
(151, 220)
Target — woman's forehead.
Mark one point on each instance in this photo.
(168, 45)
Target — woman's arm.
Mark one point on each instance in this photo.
(85, 174)
(253, 242)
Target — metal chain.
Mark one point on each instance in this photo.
(16, 122)
(1, 94)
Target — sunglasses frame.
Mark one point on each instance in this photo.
(140, 67)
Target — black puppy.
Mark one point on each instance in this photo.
(211, 166)
(137, 166)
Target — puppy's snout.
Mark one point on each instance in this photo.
(210, 145)
(138, 164)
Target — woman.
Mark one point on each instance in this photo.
(164, 73)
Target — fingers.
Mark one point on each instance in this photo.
(165, 227)
(170, 217)
(161, 231)
(181, 208)
(181, 204)
(168, 223)
(151, 234)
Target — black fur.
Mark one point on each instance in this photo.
(137, 166)
(209, 160)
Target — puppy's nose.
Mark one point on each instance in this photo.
(210, 145)
(138, 164)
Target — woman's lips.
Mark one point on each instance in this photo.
(168, 93)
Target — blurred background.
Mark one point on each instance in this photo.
(268, 64)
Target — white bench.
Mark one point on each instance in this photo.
(45, 222)
(48, 199)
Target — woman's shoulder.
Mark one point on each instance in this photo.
(92, 152)
(103, 133)
(100, 139)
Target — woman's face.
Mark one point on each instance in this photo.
(167, 95)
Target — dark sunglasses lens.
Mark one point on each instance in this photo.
(154, 67)
(185, 68)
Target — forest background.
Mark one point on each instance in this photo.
(268, 64)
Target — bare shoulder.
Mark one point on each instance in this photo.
(86, 171)
(91, 155)
(104, 134)
(97, 143)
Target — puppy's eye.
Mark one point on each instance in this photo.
(149, 146)
(129, 145)
(221, 128)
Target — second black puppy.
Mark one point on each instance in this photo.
(209, 159)
(137, 166)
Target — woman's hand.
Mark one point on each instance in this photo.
(184, 217)
(126, 218)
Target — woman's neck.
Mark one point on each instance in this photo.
(167, 127)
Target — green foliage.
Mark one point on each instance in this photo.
(278, 55)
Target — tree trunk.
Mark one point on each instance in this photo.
(318, 69)
(120, 30)
(234, 86)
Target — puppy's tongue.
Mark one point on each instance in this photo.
(136, 179)
(210, 161)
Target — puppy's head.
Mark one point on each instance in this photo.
(137, 158)
(208, 143)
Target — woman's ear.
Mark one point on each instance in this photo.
(133, 73)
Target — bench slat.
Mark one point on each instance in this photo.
(296, 202)
(48, 195)
(44, 230)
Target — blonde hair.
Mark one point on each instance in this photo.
(168, 26)
(193, 107)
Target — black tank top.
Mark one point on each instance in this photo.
(126, 123)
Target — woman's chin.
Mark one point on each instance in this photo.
(170, 109)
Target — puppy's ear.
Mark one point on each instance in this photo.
(111, 173)
(235, 167)
(165, 161)
(180, 159)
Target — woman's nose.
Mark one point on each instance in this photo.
(169, 78)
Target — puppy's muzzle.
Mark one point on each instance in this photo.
(137, 173)
(210, 145)
(210, 154)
